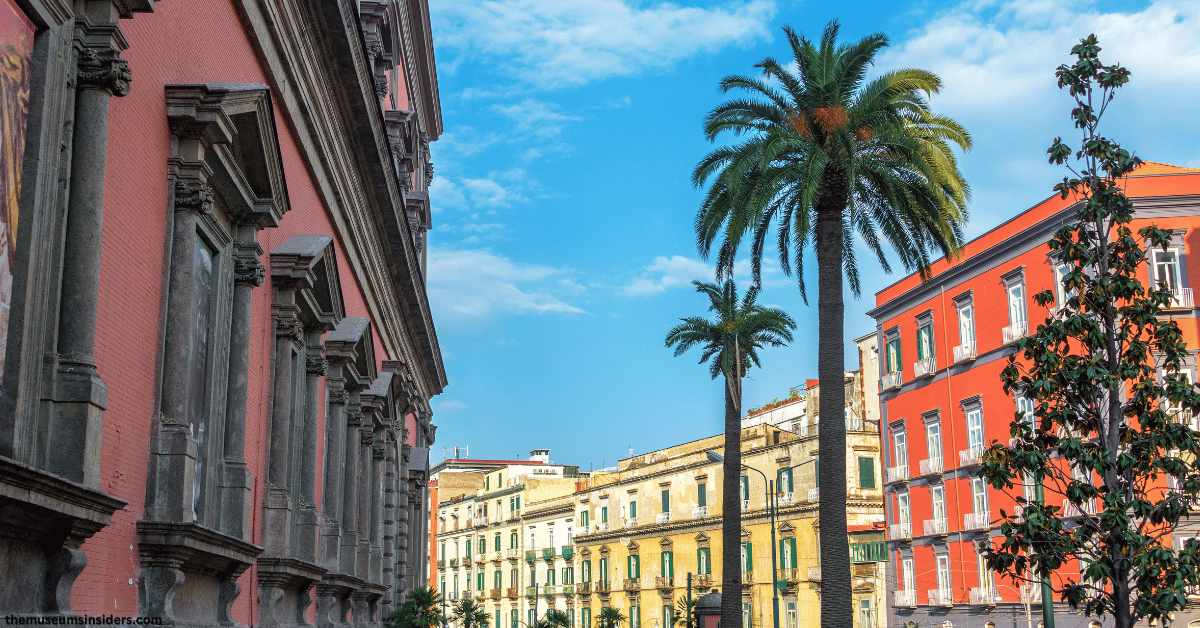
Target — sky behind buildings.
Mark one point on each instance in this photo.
(562, 250)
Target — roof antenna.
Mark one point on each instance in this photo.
(631, 450)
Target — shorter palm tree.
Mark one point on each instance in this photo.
(470, 614)
(611, 617)
(684, 611)
(422, 609)
(555, 618)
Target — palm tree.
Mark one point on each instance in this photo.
(470, 613)
(825, 154)
(738, 330)
(610, 617)
(554, 618)
(685, 609)
(422, 609)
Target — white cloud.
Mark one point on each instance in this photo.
(551, 42)
(451, 406)
(475, 283)
(542, 118)
(497, 190)
(669, 272)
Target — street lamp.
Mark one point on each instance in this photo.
(771, 509)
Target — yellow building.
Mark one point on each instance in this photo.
(642, 529)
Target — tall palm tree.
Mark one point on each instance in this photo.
(470, 613)
(739, 329)
(824, 153)
(422, 609)
(610, 617)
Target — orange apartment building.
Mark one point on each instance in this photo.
(945, 342)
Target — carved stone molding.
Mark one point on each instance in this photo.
(248, 271)
(289, 328)
(193, 196)
(338, 396)
(316, 365)
(104, 70)
(354, 419)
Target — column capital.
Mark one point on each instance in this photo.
(248, 271)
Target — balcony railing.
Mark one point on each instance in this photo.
(661, 582)
(964, 352)
(941, 597)
(900, 531)
(930, 466)
(984, 596)
(874, 552)
(747, 578)
(787, 574)
(891, 380)
(745, 505)
(970, 456)
(925, 368)
(633, 584)
(1071, 510)
(514, 553)
(441, 563)
(977, 520)
(814, 495)
(904, 599)
(494, 594)
(511, 592)
(662, 517)
(583, 587)
(1015, 332)
(481, 557)
(603, 586)
(1019, 513)
(702, 581)
(548, 554)
(814, 574)
(568, 589)
(497, 556)
(631, 522)
(699, 512)
(453, 562)
(480, 522)
(785, 499)
(936, 527)
(1181, 299)
(602, 527)
(567, 552)
(1031, 594)
(531, 591)
(897, 473)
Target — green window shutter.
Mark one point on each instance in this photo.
(792, 543)
(670, 571)
(920, 343)
(702, 495)
(583, 519)
(487, 485)
(587, 571)
(633, 510)
(468, 548)
(745, 488)
(604, 514)
(747, 556)
(866, 473)
(513, 618)
(666, 501)
(703, 561)
(586, 617)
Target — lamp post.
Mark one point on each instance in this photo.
(771, 509)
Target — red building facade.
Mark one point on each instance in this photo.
(944, 343)
(219, 351)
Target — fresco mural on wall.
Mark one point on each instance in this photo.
(16, 52)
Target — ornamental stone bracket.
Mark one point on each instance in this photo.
(284, 586)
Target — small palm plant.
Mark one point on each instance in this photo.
(470, 614)
(555, 618)
(685, 611)
(422, 609)
(611, 617)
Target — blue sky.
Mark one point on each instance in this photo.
(562, 250)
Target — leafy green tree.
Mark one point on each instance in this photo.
(1103, 376)
(824, 153)
(685, 611)
(554, 618)
(738, 330)
(610, 617)
(422, 609)
(470, 614)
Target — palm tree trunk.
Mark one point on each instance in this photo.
(731, 512)
(836, 599)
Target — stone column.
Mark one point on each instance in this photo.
(389, 524)
(349, 520)
(237, 482)
(377, 456)
(335, 456)
(366, 438)
(76, 421)
(309, 520)
(278, 513)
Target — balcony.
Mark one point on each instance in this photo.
(513, 515)
(480, 522)
(977, 520)
(814, 495)
(931, 466)
(661, 582)
(970, 456)
(904, 599)
(874, 552)
(602, 527)
(785, 499)
(941, 597)
(467, 563)
(936, 527)
(747, 578)
(603, 586)
(891, 380)
(584, 588)
(1181, 299)
(568, 589)
(511, 593)
(497, 556)
(699, 512)
(441, 563)
(453, 562)
(531, 592)
(514, 553)
(814, 574)
(452, 595)
(702, 581)
(925, 368)
(787, 575)
(530, 556)
(549, 554)
(494, 594)
(631, 522)
(964, 352)
(900, 532)
(567, 552)
(662, 517)
(549, 592)
(633, 584)
(481, 557)
(984, 596)
(1031, 594)
(897, 474)
(1071, 510)
(1014, 332)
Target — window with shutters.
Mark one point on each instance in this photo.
(783, 481)
(633, 566)
(512, 618)
(702, 495)
(925, 340)
(747, 557)
(583, 519)
(635, 616)
(866, 472)
(604, 514)
(568, 575)
(479, 582)
(633, 509)
(585, 617)
(891, 353)
(497, 580)
(586, 570)
(668, 564)
(513, 540)
(668, 615)
(666, 501)
(787, 553)
(745, 489)
(747, 615)
(703, 561)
